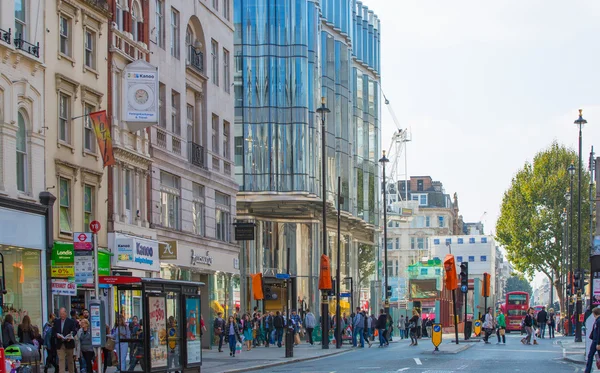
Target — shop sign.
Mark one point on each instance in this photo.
(84, 267)
(198, 258)
(244, 231)
(141, 95)
(62, 253)
(167, 250)
(136, 253)
(63, 271)
(60, 287)
(82, 241)
(103, 263)
(119, 280)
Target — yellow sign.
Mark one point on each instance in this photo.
(477, 327)
(436, 335)
(63, 271)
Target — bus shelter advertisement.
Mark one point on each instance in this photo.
(158, 332)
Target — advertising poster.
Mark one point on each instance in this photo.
(596, 298)
(192, 314)
(95, 325)
(158, 332)
(84, 267)
(596, 246)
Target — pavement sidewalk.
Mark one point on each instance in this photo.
(573, 352)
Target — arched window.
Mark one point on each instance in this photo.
(136, 19)
(21, 154)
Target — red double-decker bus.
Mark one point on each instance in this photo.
(517, 303)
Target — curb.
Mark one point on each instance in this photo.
(279, 363)
(572, 360)
(442, 352)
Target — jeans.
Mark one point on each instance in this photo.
(590, 360)
(279, 335)
(232, 341)
(309, 331)
(358, 332)
(498, 335)
(542, 329)
(529, 331)
(272, 335)
(221, 336)
(382, 339)
(550, 331)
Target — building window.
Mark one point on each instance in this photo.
(198, 209)
(215, 62)
(90, 54)
(65, 31)
(421, 198)
(21, 153)
(160, 23)
(222, 216)
(421, 243)
(438, 271)
(436, 241)
(390, 244)
(427, 221)
(216, 4)
(128, 195)
(20, 17)
(471, 258)
(483, 239)
(471, 239)
(397, 243)
(170, 200)
(459, 259)
(419, 185)
(88, 205)
(226, 9)
(215, 134)
(64, 120)
(162, 96)
(226, 137)
(119, 15)
(226, 77)
(441, 222)
(174, 33)
(424, 271)
(448, 241)
(89, 139)
(175, 122)
(65, 205)
(483, 258)
(136, 19)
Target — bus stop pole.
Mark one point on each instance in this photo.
(97, 291)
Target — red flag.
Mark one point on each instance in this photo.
(102, 131)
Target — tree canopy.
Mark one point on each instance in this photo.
(366, 262)
(530, 226)
(518, 283)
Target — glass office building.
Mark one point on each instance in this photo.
(289, 54)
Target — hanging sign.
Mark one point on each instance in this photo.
(61, 287)
(82, 241)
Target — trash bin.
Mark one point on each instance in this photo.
(468, 329)
(28, 355)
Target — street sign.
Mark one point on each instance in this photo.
(82, 241)
(345, 295)
(436, 336)
(464, 288)
(119, 280)
(282, 276)
(95, 226)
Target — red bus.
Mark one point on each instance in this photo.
(517, 303)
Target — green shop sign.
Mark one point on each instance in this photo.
(62, 253)
(104, 263)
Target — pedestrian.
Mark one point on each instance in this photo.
(233, 333)
(138, 353)
(501, 327)
(267, 322)
(402, 326)
(413, 325)
(366, 327)
(8, 331)
(358, 328)
(528, 324)
(310, 321)
(107, 353)
(488, 325)
(424, 326)
(247, 331)
(219, 329)
(551, 323)
(63, 332)
(429, 326)
(120, 335)
(49, 345)
(373, 326)
(381, 323)
(296, 325)
(25, 331)
(595, 337)
(134, 328)
(389, 328)
(278, 323)
(84, 344)
(542, 321)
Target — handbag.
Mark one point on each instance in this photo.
(597, 361)
(297, 338)
(110, 344)
(502, 331)
(218, 331)
(115, 359)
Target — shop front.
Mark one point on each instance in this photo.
(218, 269)
(23, 245)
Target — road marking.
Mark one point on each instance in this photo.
(402, 369)
(365, 368)
(461, 367)
(418, 361)
(533, 349)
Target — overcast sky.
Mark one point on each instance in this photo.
(484, 85)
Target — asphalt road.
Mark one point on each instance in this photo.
(399, 357)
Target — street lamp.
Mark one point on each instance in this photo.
(324, 300)
(579, 122)
(564, 277)
(383, 161)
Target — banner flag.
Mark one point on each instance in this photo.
(102, 131)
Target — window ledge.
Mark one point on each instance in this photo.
(90, 153)
(68, 58)
(91, 70)
(26, 197)
(65, 235)
(60, 143)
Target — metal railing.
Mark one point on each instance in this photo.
(196, 58)
(5, 35)
(197, 156)
(176, 145)
(25, 46)
(161, 139)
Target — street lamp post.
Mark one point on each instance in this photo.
(324, 300)
(383, 162)
(578, 307)
(564, 277)
(592, 167)
(571, 170)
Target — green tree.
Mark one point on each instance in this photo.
(530, 226)
(366, 263)
(518, 283)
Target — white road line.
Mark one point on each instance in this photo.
(418, 361)
(367, 368)
(402, 369)
(461, 367)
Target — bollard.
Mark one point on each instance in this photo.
(289, 342)
(2, 361)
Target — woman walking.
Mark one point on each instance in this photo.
(25, 331)
(528, 322)
(247, 331)
(233, 332)
(413, 324)
(501, 330)
(551, 323)
(120, 334)
(8, 331)
(84, 344)
(488, 325)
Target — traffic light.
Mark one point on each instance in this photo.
(333, 289)
(577, 281)
(568, 291)
(464, 277)
(486, 289)
(450, 273)
(388, 293)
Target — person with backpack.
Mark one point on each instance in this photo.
(365, 327)
(219, 329)
(279, 324)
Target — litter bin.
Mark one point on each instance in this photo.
(468, 329)
(28, 355)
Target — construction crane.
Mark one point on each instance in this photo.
(396, 150)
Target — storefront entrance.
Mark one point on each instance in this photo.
(167, 336)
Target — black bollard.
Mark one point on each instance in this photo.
(289, 342)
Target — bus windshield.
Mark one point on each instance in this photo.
(517, 299)
(516, 312)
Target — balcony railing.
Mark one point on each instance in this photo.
(122, 43)
(176, 145)
(195, 59)
(5, 35)
(161, 139)
(197, 157)
(25, 46)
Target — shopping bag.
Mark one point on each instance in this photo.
(502, 331)
(597, 361)
(376, 332)
(297, 339)
(238, 348)
(110, 344)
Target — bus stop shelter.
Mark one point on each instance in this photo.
(168, 336)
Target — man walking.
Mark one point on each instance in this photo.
(219, 329)
(278, 323)
(310, 321)
(381, 322)
(542, 320)
(595, 337)
(358, 328)
(63, 332)
(401, 326)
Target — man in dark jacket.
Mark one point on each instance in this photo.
(63, 332)
(595, 337)
(278, 323)
(542, 320)
(381, 321)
